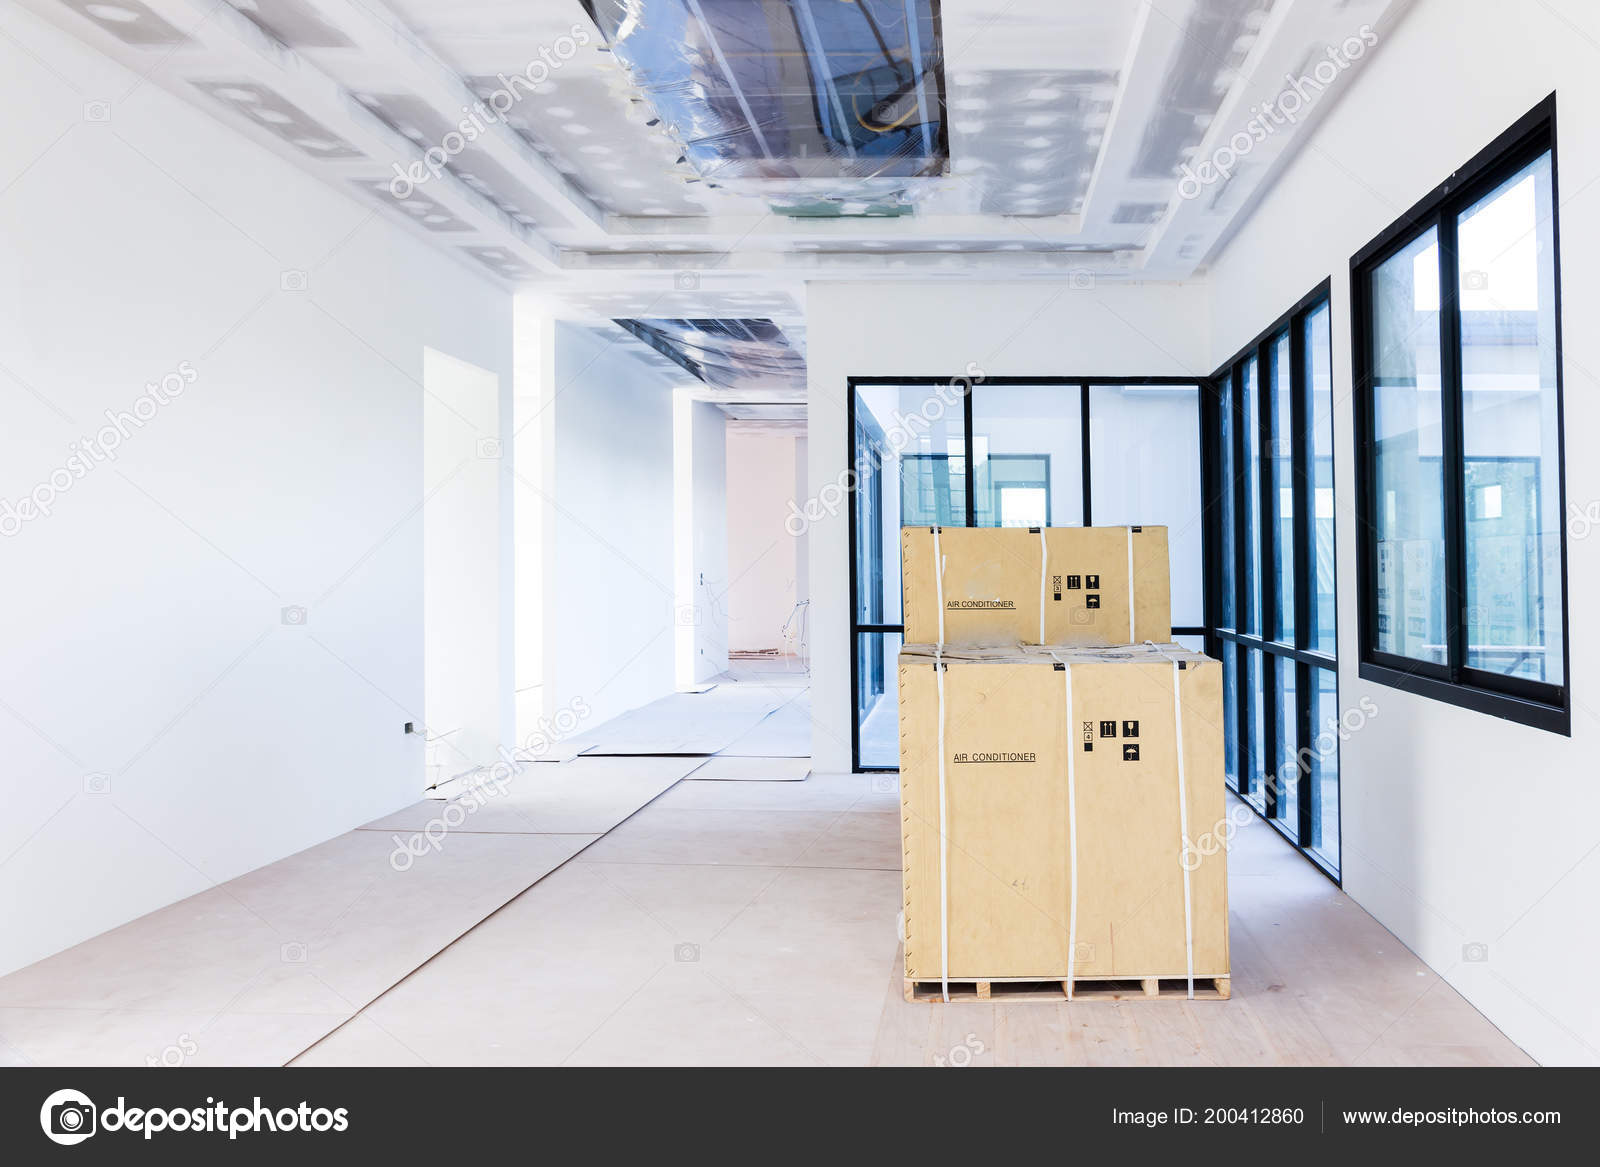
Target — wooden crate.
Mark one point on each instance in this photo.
(991, 576)
(1010, 863)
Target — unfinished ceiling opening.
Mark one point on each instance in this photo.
(821, 108)
(727, 354)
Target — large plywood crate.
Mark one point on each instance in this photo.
(993, 583)
(1047, 874)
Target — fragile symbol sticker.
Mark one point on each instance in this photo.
(1092, 582)
(1130, 729)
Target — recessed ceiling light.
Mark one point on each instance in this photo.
(873, 243)
(1032, 165)
(1036, 121)
(969, 127)
(970, 104)
(558, 111)
(947, 246)
(1044, 93)
(275, 116)
(576, 128)
(594, 148)
(1036, 143)
(315, 143)
(234, 94)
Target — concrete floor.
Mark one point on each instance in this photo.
(615, 911)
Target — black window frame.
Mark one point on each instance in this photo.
(967, 383)
(1537, 704)
(1262, 645)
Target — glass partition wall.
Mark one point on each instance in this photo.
(1009, 452)
(1270, 479)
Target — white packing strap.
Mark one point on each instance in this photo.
(1183, 827)
(1044, 564)
(944, 843)
(938, 582)
(1130, 587)
(1072, 831)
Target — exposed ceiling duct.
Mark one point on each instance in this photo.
(821, 108)
(728, 354)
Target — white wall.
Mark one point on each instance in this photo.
(163, 727)
(939, 329)
(1459, 828)
(610, 579)
(762, 555)
(700, 533)
(461, 531)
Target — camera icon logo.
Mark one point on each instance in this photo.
(1475, 281)
(686, 953)
(294, 614)
(686, 281)
(294, 952)
(1080, 279)
(1475, 952)
(68, 1117)
(1083, 616)
(97, 783)
(292, 280)
(885, 784)
(97, 111)
(688, 615)
(488, 448)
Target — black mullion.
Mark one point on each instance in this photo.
(1267, 584)
(1211, 523)
(970, 459)
(1087, 454)
(855, 611)
(1301, 461)
(1454, 467)
(1241, 516)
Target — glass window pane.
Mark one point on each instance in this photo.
(1144, 457)
(1319, 408)
(1286, 766)
(1510, 443)
(1408, 526)
(1227, 486)
(1230, 712)
(1256, 760)
(1250, 529)
(1027, 443)
(878, 698)
(1282, 470)
(910, 469)
(1324, 784)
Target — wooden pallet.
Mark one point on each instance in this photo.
(1084, 989)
